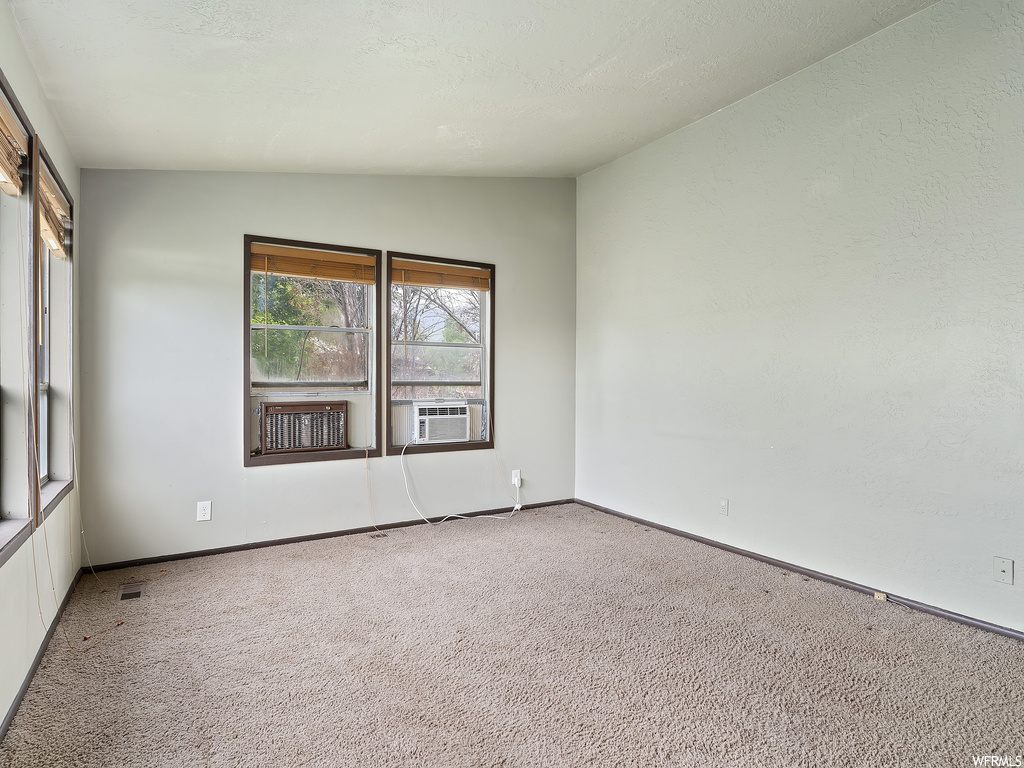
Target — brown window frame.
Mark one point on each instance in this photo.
(41, 159)
(477, 445)
(251, 460)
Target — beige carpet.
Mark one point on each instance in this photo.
(564, 638)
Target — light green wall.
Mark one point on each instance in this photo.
(810, 303)
(162, 307)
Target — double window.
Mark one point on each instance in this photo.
(312, 312)
(36, 213)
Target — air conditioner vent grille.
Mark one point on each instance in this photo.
(294, 427)
(441, 410)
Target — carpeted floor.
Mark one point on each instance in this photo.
(563, 638)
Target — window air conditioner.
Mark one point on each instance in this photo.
(440, 421)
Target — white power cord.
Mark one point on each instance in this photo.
(497, 461)
(408, 492)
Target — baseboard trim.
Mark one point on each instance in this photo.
(13, 710)
(914, 604)
(309, 537)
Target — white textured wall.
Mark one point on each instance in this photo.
(163, 302)
(812, 303)
(56, 548)
(56, 552)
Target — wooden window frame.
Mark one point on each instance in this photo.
(475, 445)
(252, 460)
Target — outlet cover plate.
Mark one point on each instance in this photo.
(204, 510)
(1003, 569)
(723, 506)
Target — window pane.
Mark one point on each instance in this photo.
(315, 356)
(43, 359)
(413, 362)
(278, 300)
(44, 435)
(43, 365)
(436, 393)
(435, 314)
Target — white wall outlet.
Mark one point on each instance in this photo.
(723, 506)
(517, 478)
(203, 510)
(1003, 567)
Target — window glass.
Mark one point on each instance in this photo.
(309, 330)
(43, 364)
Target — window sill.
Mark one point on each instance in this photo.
(412, 448)
(52, 494)
(13, 533)
(308, 456)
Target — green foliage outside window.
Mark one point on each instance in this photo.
(313, 352)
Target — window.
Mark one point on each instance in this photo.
(52, 279)
(440, 346)
(311, 337)
(15, 273)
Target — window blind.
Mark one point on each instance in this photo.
(439, 275)
(54, 215)
(13, 146)
(322, 265)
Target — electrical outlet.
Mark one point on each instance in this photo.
(517, 478)
(1003, 567)
(204, 510)
(880, 596)
(723, 506)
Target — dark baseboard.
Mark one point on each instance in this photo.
(310, 537)
(13, 710)
(917, 606)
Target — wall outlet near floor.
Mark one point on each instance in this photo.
(517, 478)
(880, 596)
(723, 506)
(204, 510)
(1003, 567)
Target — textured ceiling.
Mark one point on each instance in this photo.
(513, 88)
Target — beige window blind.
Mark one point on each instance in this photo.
(13, 147)
(54, 215)
(322, 265)
(439, 275)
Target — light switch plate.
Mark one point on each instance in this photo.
(1003, 567)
